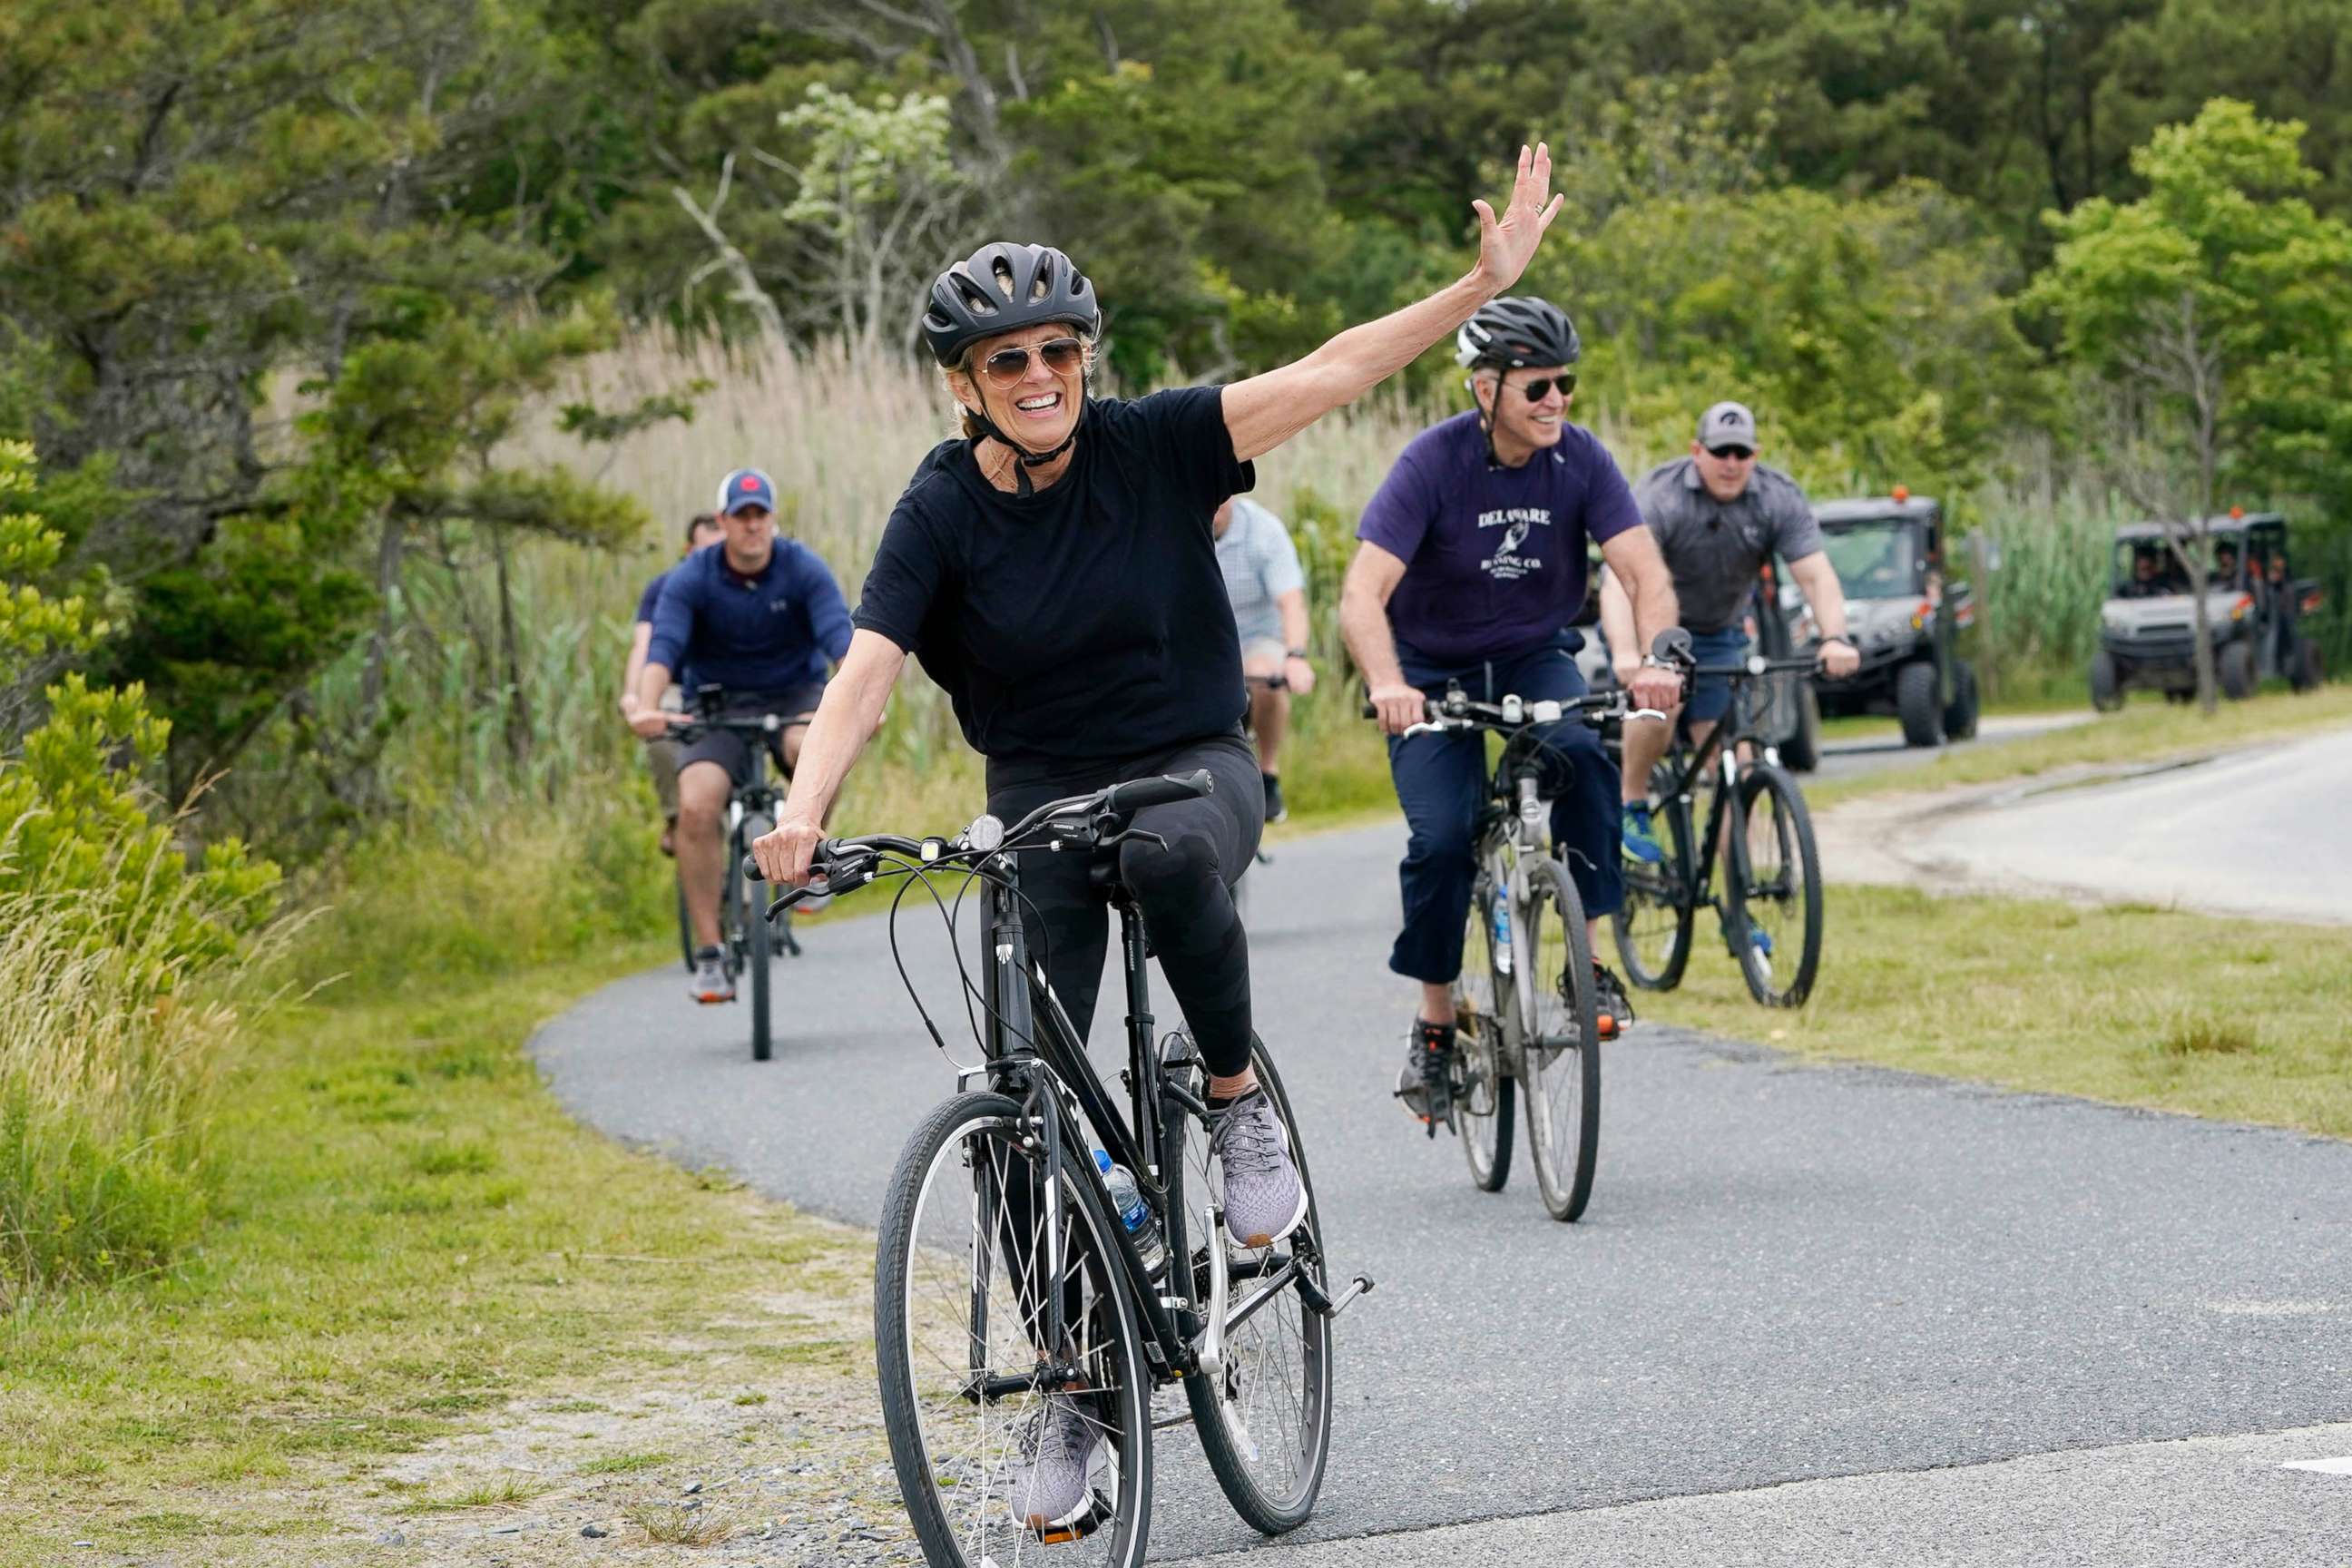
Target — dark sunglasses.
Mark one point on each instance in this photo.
(1005, 367)
(1737, 454)
(1537, 391)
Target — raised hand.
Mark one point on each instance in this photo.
(1505, 245)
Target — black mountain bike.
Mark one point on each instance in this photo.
(1770, 907)
(1005, 1277)
(1526, 1007)
(747, 944)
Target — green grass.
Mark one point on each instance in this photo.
(412, 1236)
(2130, 1003)
(2146, 730)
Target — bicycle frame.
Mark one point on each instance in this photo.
(1718, 756)
(1034, 1056)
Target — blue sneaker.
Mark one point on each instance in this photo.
(1641, 840)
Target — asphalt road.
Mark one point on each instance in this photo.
(1879, 1295)
(1843, 759)
(2260, 832)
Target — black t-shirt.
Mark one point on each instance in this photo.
(1087, 622)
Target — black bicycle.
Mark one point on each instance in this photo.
(1011, 1293)
(747, 944)
(1771, 906)
(1527, 1009)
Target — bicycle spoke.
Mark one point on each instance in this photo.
(978, 1310)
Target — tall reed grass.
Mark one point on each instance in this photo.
(108, 1056)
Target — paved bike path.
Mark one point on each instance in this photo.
(1786, 1274)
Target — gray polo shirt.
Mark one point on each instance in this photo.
(1714, 548)
(1260, 567)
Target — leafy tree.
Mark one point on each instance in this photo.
(1868, 335)
(195, 202)
(2215, 307)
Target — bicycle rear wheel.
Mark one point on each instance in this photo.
(1775, 909)
(1653, 927)
(1560, 1055)
(1484, 1039)
(1264, 1423)
(966, 1275)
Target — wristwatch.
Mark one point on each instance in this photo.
(1845, 638)
(1298, 653)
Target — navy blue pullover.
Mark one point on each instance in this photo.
(772, 632)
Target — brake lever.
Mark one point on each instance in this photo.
(1140, 834)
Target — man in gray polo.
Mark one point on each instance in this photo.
(1719, 515)
(1269, 595)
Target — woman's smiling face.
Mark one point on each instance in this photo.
(1008, 378)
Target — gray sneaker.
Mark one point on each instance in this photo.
(1264, 1199)
(1056, 1451)
(710, 982)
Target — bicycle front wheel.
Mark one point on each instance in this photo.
(1653, 927)
(1484, 1015)
(1776, 903)
(1265, 1420)
(1011, 1367)
(1559, 1054)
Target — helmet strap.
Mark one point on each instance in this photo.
(1486, 415)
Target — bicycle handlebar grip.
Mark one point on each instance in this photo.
(1136, 794)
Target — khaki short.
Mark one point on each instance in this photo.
(661, 758)
(1263, 655)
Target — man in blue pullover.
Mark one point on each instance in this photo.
(763, 618)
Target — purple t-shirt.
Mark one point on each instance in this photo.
(1495, 558)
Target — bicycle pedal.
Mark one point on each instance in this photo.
(1607, 1026)
(1095, 1516)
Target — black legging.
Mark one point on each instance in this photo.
(1185, 889)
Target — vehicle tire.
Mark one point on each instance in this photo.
(1268, 1459)
(2307, 672)
(1802, 751)
(1774, 887)
(949, 1304)
(1559, 1048)
(1960, 713)
(1485, 1008)
(685, 933)
(1653, 927)
(1916, 705)
(2233, 669)
(2107, 684)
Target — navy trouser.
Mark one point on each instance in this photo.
(1441, 781)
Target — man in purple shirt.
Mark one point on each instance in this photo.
(1471, 566)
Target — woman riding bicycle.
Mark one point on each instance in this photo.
(1054, 572)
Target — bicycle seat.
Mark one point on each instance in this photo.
(1102, 881)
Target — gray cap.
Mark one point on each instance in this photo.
(1728, 425)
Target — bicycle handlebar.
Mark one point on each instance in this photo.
(985, 836)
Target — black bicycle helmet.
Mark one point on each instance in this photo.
(1003, 288)
(1508, 334)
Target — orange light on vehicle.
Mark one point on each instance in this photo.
(2237, 514)
(2245, 602)
(1919, 617)
(1902, 492)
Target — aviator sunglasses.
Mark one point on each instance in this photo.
(1005, 367)
(1537, 391)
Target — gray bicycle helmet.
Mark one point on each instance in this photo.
(1003, 288)
(1507, 334)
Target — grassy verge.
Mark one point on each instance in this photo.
(2129, 1003)
(2144, 730)
(413, 1239)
